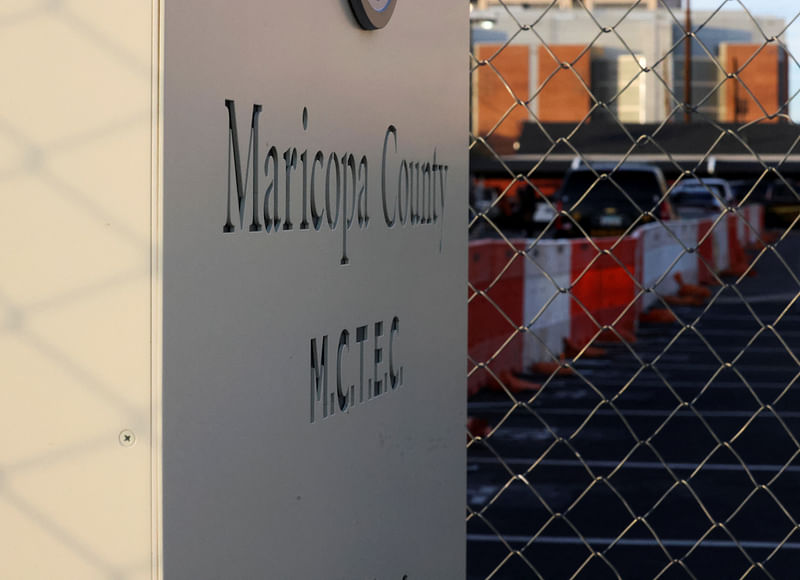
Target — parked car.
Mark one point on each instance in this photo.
(606, 200)
(748, 191)
(780, 198)
(543, 215)
(698, 198)
(781, 204)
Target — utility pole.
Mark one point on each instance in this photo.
(687, 66)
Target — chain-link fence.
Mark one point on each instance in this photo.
(633, 290)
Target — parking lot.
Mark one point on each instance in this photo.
(675, 456)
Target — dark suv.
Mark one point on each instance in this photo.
(781, 200)
(605, 200)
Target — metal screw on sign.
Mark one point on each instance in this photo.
(127, 438)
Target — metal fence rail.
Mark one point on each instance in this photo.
(633, 351)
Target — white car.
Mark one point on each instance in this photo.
(701, 197)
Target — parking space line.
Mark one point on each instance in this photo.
(676, 384)
(634, 542)
(613, 464)
(780, 298)
(501, 407)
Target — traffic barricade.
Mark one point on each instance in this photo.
(664, 253)
(604, 286)
(546, 301)
(496, 275)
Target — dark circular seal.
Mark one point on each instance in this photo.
(372, 14)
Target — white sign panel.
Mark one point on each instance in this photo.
(282, 374)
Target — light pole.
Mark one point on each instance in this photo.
(687, 66)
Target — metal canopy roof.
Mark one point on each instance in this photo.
(701, 147)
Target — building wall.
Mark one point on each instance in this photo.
(648, 62)
(564, 93)
(590, 4)
(754, 94)
(646, 33)
(499, 87)
(711, 35)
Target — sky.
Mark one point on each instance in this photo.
(786, 9)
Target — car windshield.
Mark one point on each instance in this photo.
(784, 194)
(754, 192)
(642, 187)
(695, 197)
(709, 188)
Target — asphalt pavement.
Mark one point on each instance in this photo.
(676, 456)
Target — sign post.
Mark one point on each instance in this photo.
(234, 339)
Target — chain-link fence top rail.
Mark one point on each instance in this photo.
(632, 358)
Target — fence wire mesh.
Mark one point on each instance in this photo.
(633, 290)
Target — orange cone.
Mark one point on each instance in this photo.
(571, 350)
(691, 289)
(516, 384)
(658, 316)
(617, 335)
(686, 300)
(549, 368)
(478, 427)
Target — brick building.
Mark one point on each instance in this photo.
(590, 4)
(559, 63)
